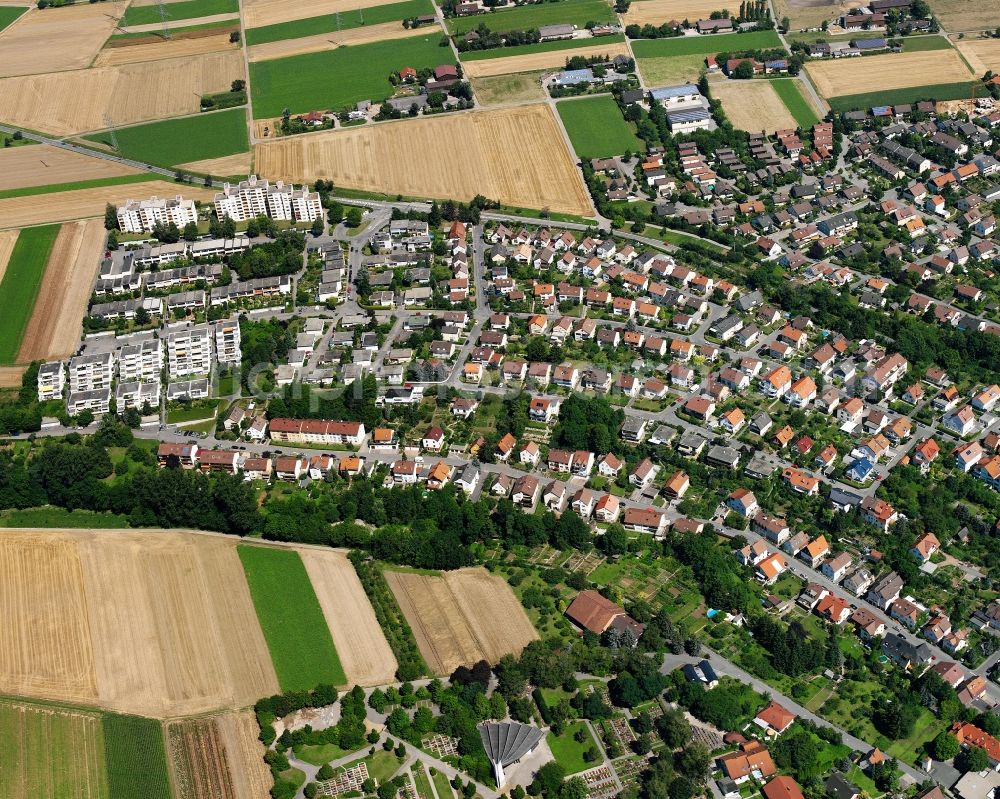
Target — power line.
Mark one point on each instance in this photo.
(110, 123)
(164, 15)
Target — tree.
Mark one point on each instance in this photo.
(317, 227)
(190, 232)
(239, 85)
(743, 71)
(945, 746)
(353, 217)
(110, 217)
(234, 37)
(975, 759)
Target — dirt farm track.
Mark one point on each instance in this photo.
(159, 624)
(461, 617)
(455, 156)
(847, 76)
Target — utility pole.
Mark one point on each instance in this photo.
(162, 6)
(111, 130)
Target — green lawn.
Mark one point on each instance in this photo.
(291, 618)
(597, 128)
(32, 191)
(568, 752)
(318, 755)
(9, 13)
(790, 93)
(541, 47)
(705, 45)
(178, 141)
(443, 786)
(381, 766)
(913, 44)
(20, 285)
(329, 23)
(941, 91)
(679, 237)
(572, 12)
(192, 411)
(421, 781)
(136, 757)
(186, 9)
(50, 516)
(306, 82)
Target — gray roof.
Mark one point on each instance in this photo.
(674, 91)
(508, 742)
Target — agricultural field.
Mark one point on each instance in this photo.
(10, 13)
(157, 48)
(177, 141)
(965, 15)
(357, 636)
(753, 105)
(61, 206)
(217, 758)
(292, 619)
(914, 44)
(526, 59)
(461, 617)
(136, 757)
(570, 12)
(301, 83)
(346, 20)
(353, 37)
(51, 752)
(264, 13)
(57, 39)
(74, 102)
(183, 9)
(879, 73)
(53, 330)
(668, 70)
(982, 54)
(19, 286)
(456, 156)
(43, 165)
(519, 87)
(805, 14)
(795, 100)
(237, 165)
(704, 45)
(656, 12)
(913, 94)
(7, 241)
(596, 127)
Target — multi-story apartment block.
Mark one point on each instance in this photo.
(227, 341)
(98, 401)
(189, 351)
(133, 394)
(51, 381)
(91, 372)
(138, 216)
(254, 197)
(317, 431)
(141, 362)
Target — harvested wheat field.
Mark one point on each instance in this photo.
(45, 643)
(364, 653)
(174, 629)
(656, 12)
(331, 41)
(461, 617)
(982, 54)
(251, 776)
(173, 24)
(225, 165)
(966, 15)
(806, 14)
(8, 238)
(41, 209)
(553, 59)
(891, 71)
(43, 165)
(258, 13)
(753, 105)
(164, 48)
(76, 102)
(57, 39)
(455, 156)
(10, 376)
(54, 328)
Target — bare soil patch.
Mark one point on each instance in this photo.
(199, 761)
(461, 617)
(455, 156)
(753, 105)
(364, 653)
(224, 166)
(42, 165)
(10, 376)
(56, 39)
(656, 12)
(553, 59)
(164, 48)
(258, 13)
(331, 41)
(846, 76)
(251, 776)
(54, 328)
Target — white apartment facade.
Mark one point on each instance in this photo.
(91, 372)
(227, 342)
(51, 381)
(141, 362)
(189, 351)
(135, 395)
(139, 216)
(254, 197)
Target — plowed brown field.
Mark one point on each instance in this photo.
(199, 761)
(461, 617)
(357, 636)
(515, 155)
(54, 328)
(42, 165)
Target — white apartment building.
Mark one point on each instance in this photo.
(188, 389)
(254, 197)
(141, 362)
(51, 381)
(138, 216)
(189, 351)
(98, 401)
(227, 342)
(91, 372)
(136, 395)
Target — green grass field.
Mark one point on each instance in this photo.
(52, 188)
(941, 91)
(9, 13)
(914, 44)
(568, 752)
(795, 102)
(48, 751)
(441, 784)
(705, 45)
(136, 757)
(596, 127)
(306, 82)
(177, 141)
(20, 285)
(291, 618)
(541, 47)
(186, 9)
(329, 23)
(573, 12)
(51, 516)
